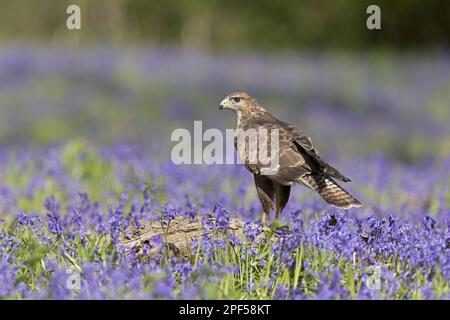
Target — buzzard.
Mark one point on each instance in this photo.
(298, 159)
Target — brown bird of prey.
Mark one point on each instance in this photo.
(298, 159)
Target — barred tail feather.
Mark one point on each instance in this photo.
(330, 191)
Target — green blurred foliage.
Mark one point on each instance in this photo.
(232, 24)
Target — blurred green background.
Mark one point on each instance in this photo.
(139, 69)
(232, 24)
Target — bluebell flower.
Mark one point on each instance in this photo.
(22, 218)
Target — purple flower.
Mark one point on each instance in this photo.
(429, 223)
(222, 217)
(22, 218)
(163, 289)
(55, 225)
(251, 231)
(53, 205)
(281, 292)
(169, 214)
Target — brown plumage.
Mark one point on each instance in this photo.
(299, 161)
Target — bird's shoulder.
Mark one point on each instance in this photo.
(257, 119)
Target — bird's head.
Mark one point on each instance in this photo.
(238, 101)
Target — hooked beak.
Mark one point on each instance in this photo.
(225, 104)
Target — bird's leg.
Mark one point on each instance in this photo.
(277, 213)
(278, 194)
(264, 222)
(277, 224)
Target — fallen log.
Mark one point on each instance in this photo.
(178, 234)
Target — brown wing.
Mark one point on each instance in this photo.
(297, 155)
(292, 164)
(305, 147)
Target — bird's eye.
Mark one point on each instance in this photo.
(236, 99)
